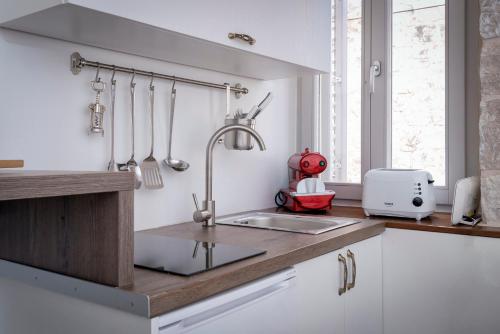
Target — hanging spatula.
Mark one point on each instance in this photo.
(150, 168)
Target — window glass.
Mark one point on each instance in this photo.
(418, 86)
(346, 91)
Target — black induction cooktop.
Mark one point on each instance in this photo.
(185, 257)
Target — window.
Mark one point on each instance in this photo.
(406, 115)
(418, 119)
(346, 91)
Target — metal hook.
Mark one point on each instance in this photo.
(151, 82)
(97, 79)
(173, 86)
(113, 75)
(132, 83)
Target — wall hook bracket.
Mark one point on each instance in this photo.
(77, 62)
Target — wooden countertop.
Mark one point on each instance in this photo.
(167, 292)
(11, 163)
(437, 222)
(35, 184)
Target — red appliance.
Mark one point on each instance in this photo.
(306, 192)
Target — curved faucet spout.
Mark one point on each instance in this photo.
(219, 133)
(207, 214)
(210, 147)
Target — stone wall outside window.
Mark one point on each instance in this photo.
(489, 121)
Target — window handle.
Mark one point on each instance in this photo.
(375, 71)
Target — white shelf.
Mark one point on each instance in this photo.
(86, 26)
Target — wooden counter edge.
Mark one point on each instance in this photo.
(175, 298)
(11, 163)
(23, 185)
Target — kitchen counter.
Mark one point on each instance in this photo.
(22, 184)
(437, 222)
(167, 292)
(156, 293)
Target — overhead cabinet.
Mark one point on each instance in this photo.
(257, 39)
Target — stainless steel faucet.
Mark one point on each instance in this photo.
(207, 214)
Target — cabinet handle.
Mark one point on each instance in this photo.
(247, 38)
(353, 266)
(344, 262)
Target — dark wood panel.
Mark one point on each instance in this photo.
(37, 184)
(85, 236)
(125, 242)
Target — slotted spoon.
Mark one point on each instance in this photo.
(150, 167)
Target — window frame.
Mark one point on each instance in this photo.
(376, 145)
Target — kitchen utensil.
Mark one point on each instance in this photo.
(97, 109)
(112, 165)
(177, 165)
(239, 140)
(398, 192)
(256, 110)
(131, 164)
(150, 168)
(238, 113)
(228, 99)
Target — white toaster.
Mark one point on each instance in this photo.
(398, 192)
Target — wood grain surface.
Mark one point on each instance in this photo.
(36, 184)
(11, 163)
(74, 223)
(437, 222)
(168, 292)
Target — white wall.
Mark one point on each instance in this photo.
(44, 120)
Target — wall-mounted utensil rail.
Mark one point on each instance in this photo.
(78, 62)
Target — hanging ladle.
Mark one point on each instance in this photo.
(177, 165)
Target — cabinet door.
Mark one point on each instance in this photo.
(439, 283)
(296, 31)
(209, 20)
(363, 302)
(321, 309)
(267, 305)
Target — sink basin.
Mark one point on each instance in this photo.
(289, 223)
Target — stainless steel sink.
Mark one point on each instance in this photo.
(289, 223)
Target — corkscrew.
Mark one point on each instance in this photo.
(97, 109)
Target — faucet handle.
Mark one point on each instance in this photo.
(195, 199)
(200, 215)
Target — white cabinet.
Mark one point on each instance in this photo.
(292, 36)
(359, 309)
(267, 305)
(290, 30)
(321, 309)
(438, 283)
(363, 303)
